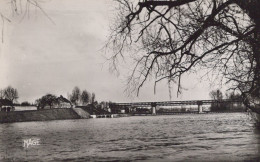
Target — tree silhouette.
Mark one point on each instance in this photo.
(85, 97)
(11, 94)
(167, 39)
(93, 98)
(48, 99)
(2, 94)
(75, 96)
(216, 95)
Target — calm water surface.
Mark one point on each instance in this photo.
(189, 137)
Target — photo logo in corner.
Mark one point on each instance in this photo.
(31, 142)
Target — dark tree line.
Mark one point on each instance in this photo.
(81, 98)
(168, 39)
(218, 96)
(77, 98)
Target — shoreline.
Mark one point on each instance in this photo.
(69, 113)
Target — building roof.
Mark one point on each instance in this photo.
(62, 99)
(5, 102)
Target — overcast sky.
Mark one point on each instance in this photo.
(39, 57)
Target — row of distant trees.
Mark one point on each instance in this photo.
(78, 97)
(217, 95)
(83, 98)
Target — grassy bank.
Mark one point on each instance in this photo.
(38, 115)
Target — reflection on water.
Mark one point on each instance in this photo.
(189, 137)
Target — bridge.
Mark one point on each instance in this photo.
(153, 105)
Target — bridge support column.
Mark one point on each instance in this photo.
(200, 110)
(153, 108)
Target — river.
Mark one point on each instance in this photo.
(187, 137)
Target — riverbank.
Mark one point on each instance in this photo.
(64, 114)
(50, 114)
(38, 115)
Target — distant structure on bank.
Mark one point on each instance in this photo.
(59, 102)
(6, 105)
(62, 102)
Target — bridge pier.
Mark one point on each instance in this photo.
(153, 104)
(200, 110)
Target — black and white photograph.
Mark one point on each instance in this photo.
(130, 80)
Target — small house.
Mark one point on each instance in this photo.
(62, 102)
(6, 105)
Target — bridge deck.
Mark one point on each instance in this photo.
(176, 103)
